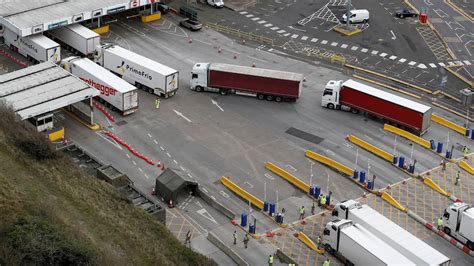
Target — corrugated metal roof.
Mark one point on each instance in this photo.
(42, 88)
(386, 96)
(269, 73)
(83, 31)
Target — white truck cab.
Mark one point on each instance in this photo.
(357, 16)
(199, 77)
(216, 3)
(330, 97)
(458, 221)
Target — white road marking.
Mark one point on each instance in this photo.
(156, 142)
(383, 54)
(249, 15)
(422, 66)
(364, 50)
(374, 52)
(314, 40)
(304, 38)
(146, 176)
(268, 25)
(269, 176)
(294, 36)
(128, 156)
(281, 31)
(168, 154)
(139, 169)
(412, 63)
(175, 162)
(344, 46)
(348, 145)
(403, 60)
(291, 167)
(367, 137)
(466, 62)
(330, 152)
(261, 22)
(324, 42)
(149, 135)
(206, 215)
(205, 190)
(134, 163)
(274, 28)
(442, 64)
(248, 183)
(393, 57)
(393, 35)
(181, 114)
(182, 168)
(190, 176)
(217, 105)
(198, 203)
(432, 65)
(334, 44)
(161, 147)
(354, 48)
(286, 34)
(225, 195)
(256, 18)
(243, 12)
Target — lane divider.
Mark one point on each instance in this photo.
(371, 148)
(402, 133)
(308, 242)
(121, 142)
(330, 162)
(429, 182)
(288, 177)
(242, 192)
(466, 167)
(448, 124)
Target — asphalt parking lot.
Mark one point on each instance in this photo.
(237, 141)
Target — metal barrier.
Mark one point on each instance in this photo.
(241, 192)
(288, 177)
(240, 34)
(330, 162)
(448, 124)
(371, 148)
(402, 133)
(308, 242)
(465, 166)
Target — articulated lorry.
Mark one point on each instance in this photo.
(357, 97)
(258, 82)
(398, 238)
(458, 222)
(358, 246)
(76, 38)
(37, 48)
(138, 70)
(115, 92)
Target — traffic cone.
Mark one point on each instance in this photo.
(235, 56)
(190, 40)
(253, 65)
(243, 41)
(171, 205)
(153, 192)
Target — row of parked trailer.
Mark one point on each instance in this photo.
(362, 236)
(98, 64)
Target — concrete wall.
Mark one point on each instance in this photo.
(216, 205)
(227, 250)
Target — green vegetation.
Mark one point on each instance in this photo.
(53, 213)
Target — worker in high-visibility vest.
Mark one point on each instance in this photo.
(440, 223)
(318, 241)
(270, 260)
(327, 262)
(323, 201)
(302, 213)
(458, 177)
(465, 150)
(157, 103)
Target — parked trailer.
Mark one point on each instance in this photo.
(398, 238)
(358, 246)
(118, 94)
(459, 222)
(140, 71)
(37, 48)
(261, 83)
(76, 38)
(358, 97)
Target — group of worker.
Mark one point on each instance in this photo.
(246, 239)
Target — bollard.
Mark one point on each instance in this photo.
(401, 162)
(278, 218)
(370, 184)
(440, 147)
(432, 144)
(395, 160)
(411, 169)
(317, 191)
(467, 132)
(472, 134)
(311, 191)
(243, 219)
(271, 211)
(328, 199)
(448, 155)
(356, 174)
(265, 206)
(362, 177)
(252, 228)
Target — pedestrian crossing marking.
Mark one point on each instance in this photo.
(294, 36)
(334, 44)
(466, 62)
(268, 25)
(432, 65)
(392, 57)
(374, 52)
(304, 38)
(255, 18)
(243, 12)
(344, 46)
(422, 66)
(403, 60)
(364, 50)
(412, 63)
(442, 64)
(261, 22)
(281, 31)
(314, 40)
(383, 54)
(354, 48)
(275, 28)
(249, 15)
(324, 42)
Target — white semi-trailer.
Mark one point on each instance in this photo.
(37, 48)
(115, 92)
(76, 38)
(398, 238)
(140, 71)
(459, 222)
(358, 246)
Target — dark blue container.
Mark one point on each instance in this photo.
(448, 155)
(317, 191)
(265, 206)
(311, 191)
(467, 132)
(411, 169)
(362, 176)
(252, 228)
(472, 134)
(395, 160)
(401, 161)
(370, 184)
(272, 209)
(432, 144)
(243, 219)
(328, 199)
(440, 147)
(356, 174)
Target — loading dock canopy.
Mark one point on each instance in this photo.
(169, 184)
(42, 88)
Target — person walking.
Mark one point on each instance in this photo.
(465, 150)
(188, 238)
(458, 177)
(319, 200)
(313, 209)
(270, 260)
(440, 223)
(246, 240)
(282, 215)
(302, 213)
(443, 163)
(323, 201)
(327, 262)
(235, 237)
(318, 241)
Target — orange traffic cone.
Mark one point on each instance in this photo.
(253, 65)
(171, 205)
(153, 192)
(162, 167)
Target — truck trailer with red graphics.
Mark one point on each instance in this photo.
(258, 82)
(357, 97)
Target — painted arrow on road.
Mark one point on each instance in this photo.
(206, 215)
(216, 104)
(181, 114)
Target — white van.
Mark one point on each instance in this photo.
(216, 3)
(357, 16)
